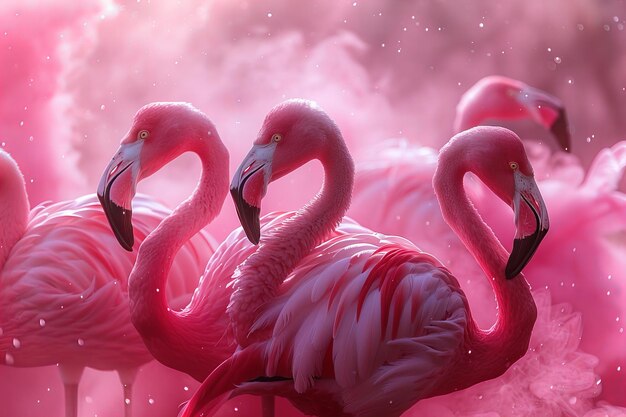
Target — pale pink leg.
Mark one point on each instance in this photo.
(127, 377)
(70, 375)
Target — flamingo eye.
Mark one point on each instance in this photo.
(513, 165)
(143, 134)
(277, 137)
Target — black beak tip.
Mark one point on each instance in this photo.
(560, 130)
(120, 220)
(511, 271)
(248, 216)
(522, 252)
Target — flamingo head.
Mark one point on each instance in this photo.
(497, 156)
(160, 133)
(497, 97)
(293, 133)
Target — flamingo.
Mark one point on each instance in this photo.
(63, 285)
(368, 324)
(198, 338)
(498, 97)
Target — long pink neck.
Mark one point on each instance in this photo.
(14, 206)
(487, 354)
(279, 253)
(175, 337)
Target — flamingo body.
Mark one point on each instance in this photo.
(359, 318)
(64, 285)
(65, 297)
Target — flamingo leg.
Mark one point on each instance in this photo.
(70, 375)
(127, 378)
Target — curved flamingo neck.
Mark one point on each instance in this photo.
(14, 206)
(507, 340)
(259, 277)
(184, 333)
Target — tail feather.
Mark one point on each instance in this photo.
(242, 366)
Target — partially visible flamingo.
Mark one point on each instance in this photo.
(503, 98)
(63, 285)
(367, 324)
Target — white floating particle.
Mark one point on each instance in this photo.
(81, 342)
(8, 359)
(16, 343)
(102, 107)
(557, 59)
(42, 322)
(481, 25)
(269, 15)
(151, 401)
(88, 400)
(127, 401)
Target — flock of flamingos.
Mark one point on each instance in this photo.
(343, 316)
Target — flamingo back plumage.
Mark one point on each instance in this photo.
(64, 287)
(333, 311)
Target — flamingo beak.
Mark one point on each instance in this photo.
(249, 186)
(549, 111)
(531, 219)
(116, 190)
(560, 131)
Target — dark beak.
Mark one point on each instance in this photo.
(249, 215)
(525, 244)
(560, 130)
(119, 217)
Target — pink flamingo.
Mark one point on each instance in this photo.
(586, 267)
(595, 288)
(63, 285)
(367, 324)
(196, 339)
(498, 97)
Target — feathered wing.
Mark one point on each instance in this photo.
(65, 286)
(364, 313)
(393, 194)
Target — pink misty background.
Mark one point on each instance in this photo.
(74, 73)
